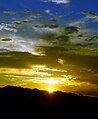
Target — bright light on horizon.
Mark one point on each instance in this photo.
(50, 90)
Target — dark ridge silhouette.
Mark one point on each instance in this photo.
(18, 102)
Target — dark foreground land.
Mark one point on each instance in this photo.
(20, 103)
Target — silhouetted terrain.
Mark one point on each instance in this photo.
(17, 102)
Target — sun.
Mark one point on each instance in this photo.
(50, 90)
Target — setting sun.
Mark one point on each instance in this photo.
(50, 90)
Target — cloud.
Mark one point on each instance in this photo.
(7, 27)
(58, 1)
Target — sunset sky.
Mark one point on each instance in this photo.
(50, 44)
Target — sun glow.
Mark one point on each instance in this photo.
(50, 90)
(51, 81)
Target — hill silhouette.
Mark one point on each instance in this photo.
(21, 103)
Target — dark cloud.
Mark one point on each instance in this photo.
(6, 39)
(24, 60)
(71, 29)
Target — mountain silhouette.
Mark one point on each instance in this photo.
(18, 102)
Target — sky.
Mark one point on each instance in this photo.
(50, 44)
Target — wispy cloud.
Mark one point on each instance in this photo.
(58, 1)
